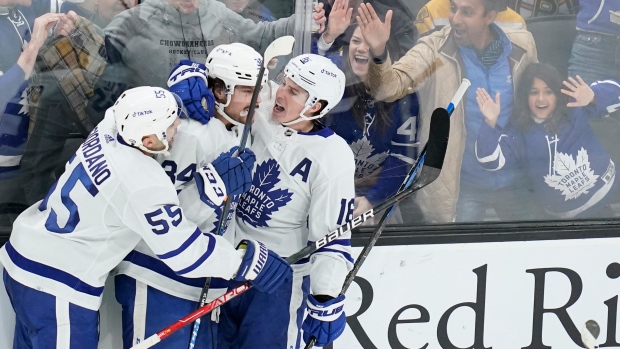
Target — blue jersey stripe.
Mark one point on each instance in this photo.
(200, 260)
(51, 273)
(183, 246)
(159, 267)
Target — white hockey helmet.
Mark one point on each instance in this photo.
(235, 64)
(320, 77)
(144, 111)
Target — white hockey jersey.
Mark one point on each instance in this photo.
(195, 145)
(302, 189)
(109, 198)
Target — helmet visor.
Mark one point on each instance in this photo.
(181, 111)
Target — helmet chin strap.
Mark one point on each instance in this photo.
(4, 10)
(220, 109)
(302, 117)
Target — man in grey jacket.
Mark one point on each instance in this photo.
(144, 43)
(147, 41)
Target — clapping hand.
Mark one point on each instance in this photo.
(579, 90)
(375, 32)
(489, 108)
(339, 20)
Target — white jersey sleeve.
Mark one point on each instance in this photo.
(195, 145)
(177, 241)
(109, 198)
(302, 189)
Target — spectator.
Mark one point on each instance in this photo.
(471, 47)
(539, 8)
(57, 111)
(596, 56)
(403, 31)
(434, 16)
(24, 27)
(251, 9)
(99, 12)
(144, 43)
(382, 135)
(596, 50)
(573, 175)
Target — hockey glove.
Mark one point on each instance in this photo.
(189, 81)
(262, 267)
(211, 188)
(325, 320)
(236, 172)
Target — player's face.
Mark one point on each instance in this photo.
(290, 100)
(185, 6)
(240, 103)
(541, 100)
(469, 22)
(237, 5)
(359, 55)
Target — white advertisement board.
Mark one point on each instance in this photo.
(532, 295)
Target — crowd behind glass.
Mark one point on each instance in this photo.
(529, 142)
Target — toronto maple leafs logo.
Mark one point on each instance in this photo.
(365, 162)
(573, 177)
(257, 205)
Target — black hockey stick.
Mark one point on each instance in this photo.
(281, 46)
(430, 171)
(440, 127)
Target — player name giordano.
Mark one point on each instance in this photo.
(92, 151)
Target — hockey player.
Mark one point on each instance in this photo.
(111, 195)
(302, 188)
(151, 294)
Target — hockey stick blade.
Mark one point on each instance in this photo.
(226, 297)
(281, 46)
(589, 334)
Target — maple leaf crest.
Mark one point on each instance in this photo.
(366, 162)
(257, 205)
(572, 177)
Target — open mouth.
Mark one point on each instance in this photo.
(277, 107)
(361, 60)
(459, 32)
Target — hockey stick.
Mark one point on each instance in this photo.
(589, 334)
(281, 46)
(410, 179)
(440, 126)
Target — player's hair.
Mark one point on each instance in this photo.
(553, 79)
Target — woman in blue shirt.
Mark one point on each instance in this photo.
(382, 135)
